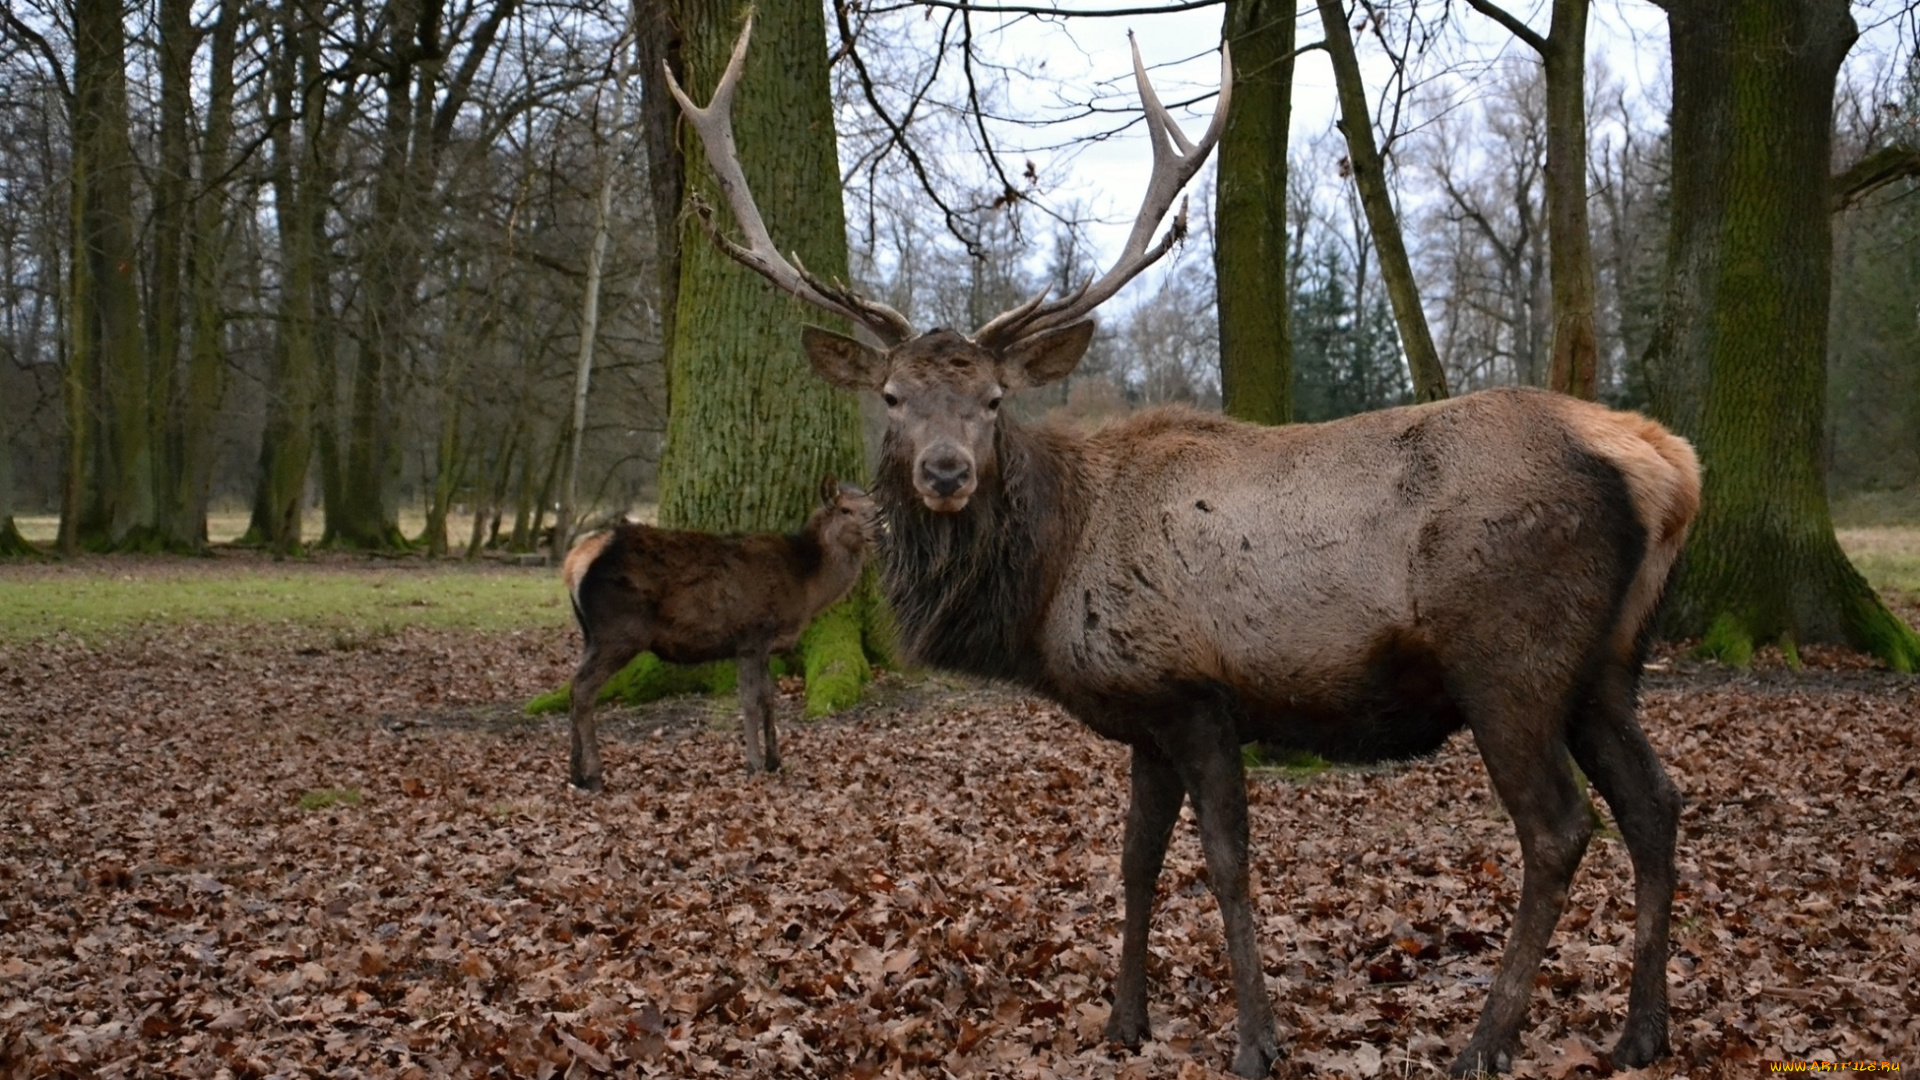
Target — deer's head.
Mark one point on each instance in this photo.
(943, 389)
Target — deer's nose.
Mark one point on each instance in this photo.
(946, 473)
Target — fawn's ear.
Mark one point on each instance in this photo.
(829, 489)
(842, 361)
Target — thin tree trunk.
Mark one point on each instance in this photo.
(1574, 366)
(1746, 322)
(1370, 175)
(493, 494)
(11, 542)
(563, 522)
(166, 296)
(659, 44)
(77, 376)
(1250, 197)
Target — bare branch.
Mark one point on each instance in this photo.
(897, 130)
(1513, 24)
(1873, 172)
(40, 45)
(1065, 13)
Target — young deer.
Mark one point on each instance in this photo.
(693, 597)
(1185, 584)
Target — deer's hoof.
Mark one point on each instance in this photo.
(1256, 1056)
(584, 786)
(1476, 1060)
(1639, 1046)
(1128, 1029)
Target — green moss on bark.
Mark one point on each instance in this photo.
(834, 660)
(648, 678)
(1728, 641)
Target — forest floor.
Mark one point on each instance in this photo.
(284, 849)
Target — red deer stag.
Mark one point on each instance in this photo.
(1184, 584)
(692, 597)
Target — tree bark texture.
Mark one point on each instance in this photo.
(1250, 219)
(751, 430)
(1370, 176)
(1740, 355)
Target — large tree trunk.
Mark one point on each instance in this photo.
(751, 430)
(1370, 176)
(1250, 218)
(105, 168)
(1741, 350)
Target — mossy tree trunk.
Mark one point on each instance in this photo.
(751, 430)
(1250, 217)
(1739, 358)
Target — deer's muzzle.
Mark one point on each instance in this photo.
(945, 479)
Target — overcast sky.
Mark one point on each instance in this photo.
(1628, 36)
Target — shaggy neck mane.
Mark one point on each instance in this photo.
(968, 590)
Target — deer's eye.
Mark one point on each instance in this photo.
(994, 404)
(890, 398)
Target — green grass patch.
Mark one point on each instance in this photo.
(1888, 556)
(1283, 762)
(326, 798)
(97, 597)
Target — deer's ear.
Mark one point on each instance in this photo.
(829, 489)
(843, 361)
(1048, 356)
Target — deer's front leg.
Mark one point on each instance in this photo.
(1206, 753)
(1152, 810)
(756, 711)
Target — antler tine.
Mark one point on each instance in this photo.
(714, 124)
(1175, 161)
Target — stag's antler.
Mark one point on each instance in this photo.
(715, 127)
(1175, 160)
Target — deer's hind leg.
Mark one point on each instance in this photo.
(1608, 743)
(1520, 736)
(607, 652)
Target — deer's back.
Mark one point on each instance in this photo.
(1331, 577)
(700, 596)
